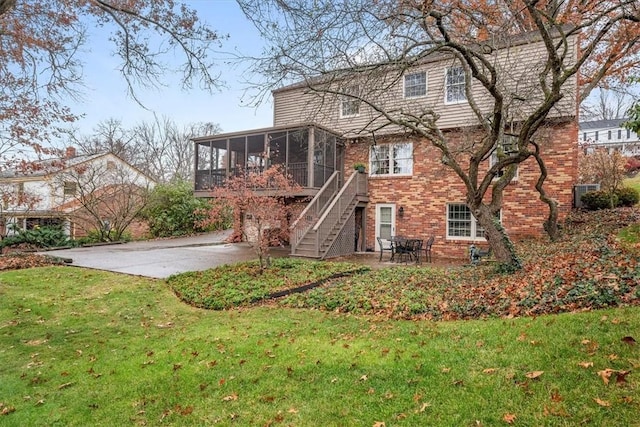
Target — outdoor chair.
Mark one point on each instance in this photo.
(427, 248)
(386, 247)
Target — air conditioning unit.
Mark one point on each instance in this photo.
(581, 189)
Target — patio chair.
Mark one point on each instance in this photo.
(427, 248)
(386, 247)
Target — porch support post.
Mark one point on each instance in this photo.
(310, 150)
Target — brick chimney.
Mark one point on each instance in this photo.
(70, 153)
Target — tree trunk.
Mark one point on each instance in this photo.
(502, 247)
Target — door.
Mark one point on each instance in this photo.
(385, 222)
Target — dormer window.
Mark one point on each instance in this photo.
(415, 85)
(455, 85)
(349, 105)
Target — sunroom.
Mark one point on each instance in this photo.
(308, 153)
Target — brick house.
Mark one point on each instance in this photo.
(407, 190)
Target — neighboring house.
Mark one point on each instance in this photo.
(609, 134)
(75, 192)
(407, 191)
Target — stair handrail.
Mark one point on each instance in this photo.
(300, 229)
(336, 208)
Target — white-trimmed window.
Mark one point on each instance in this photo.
(415, 85)
(507, 146)
(350, 106)
(391, 159)
(462, 225)
(455, 84)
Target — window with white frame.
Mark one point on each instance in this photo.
(455, 85)
(350, 106)
(415, 85)
(462, 225)
(508, 145)
(391, 159)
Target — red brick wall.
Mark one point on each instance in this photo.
(425, 194)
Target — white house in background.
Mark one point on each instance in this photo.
(609, 134)
(48, 192)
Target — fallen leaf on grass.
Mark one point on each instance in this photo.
(621, 376)
(629, 340)
(292, 411)
(586, 364)
(602, 402)
(606, 374)
(165, 325)
(489, 370)
(231, 397)
(424, 406)
(65, 385)
(6, 410)
(555, 396)
(379, 424)
(534, 374)
(364, 378)
(509, 418)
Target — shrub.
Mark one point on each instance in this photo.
(627, 196)
(595, 200)
(173, 210)
(632, 165)
(40, 237)
(602, 199)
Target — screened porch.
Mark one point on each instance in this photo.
(308, 153)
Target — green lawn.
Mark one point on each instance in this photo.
(633, 182)
(81, 347)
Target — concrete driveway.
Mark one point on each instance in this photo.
(164, 257)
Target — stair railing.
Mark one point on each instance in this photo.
(331, 216)
(314, 210)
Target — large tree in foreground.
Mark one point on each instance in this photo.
(335, 46)
(41, 54)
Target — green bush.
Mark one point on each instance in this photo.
(173, 210)
(627, 196)
(40, 237)
(595, 200)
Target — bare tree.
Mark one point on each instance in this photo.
(161, 148)
(165, 150)
(103, 196)
(15, 201)
(359, 50)
(108, 136)
(606, 104)
(41, 49)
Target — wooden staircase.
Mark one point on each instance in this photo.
(320, 228)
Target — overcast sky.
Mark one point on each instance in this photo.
(105, 94)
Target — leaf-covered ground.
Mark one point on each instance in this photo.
(589, 268)
(17, 261)
(245, 283)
